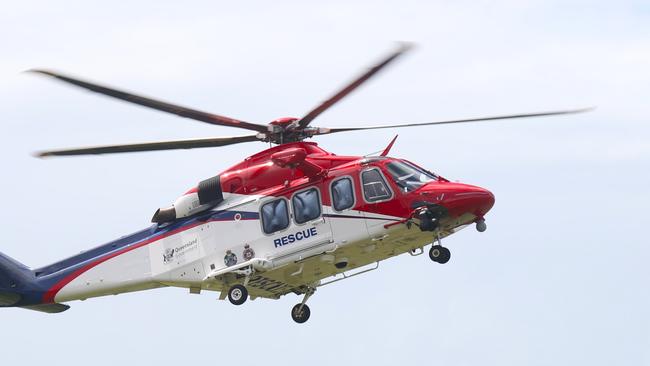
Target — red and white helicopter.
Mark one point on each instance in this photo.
(288, 219)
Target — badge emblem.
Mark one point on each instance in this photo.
(230, 259)
(249, 253)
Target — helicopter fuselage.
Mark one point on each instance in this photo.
(278, 228)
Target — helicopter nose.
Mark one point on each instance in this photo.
(465, 198)
(478, 200)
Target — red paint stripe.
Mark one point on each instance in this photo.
(49, 295)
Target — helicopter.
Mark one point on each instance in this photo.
(289, 219)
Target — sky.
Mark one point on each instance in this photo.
(559, 278)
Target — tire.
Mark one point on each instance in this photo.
(301, 317)
(435, 253)
(439, 254)
(237, 295)
(446, 255)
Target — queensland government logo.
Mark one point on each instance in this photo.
(168, 256)
(179, 252)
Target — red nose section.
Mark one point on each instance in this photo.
(475, 200)
(460, 199)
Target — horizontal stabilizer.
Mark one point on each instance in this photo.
(9, 298)
(48, 308)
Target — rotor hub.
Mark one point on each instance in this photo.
(284, 121)
(284, 130)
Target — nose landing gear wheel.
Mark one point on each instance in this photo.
(237, 295)
(300, 315)
(439, 254)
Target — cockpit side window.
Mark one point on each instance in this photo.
(306, 205)
(407, 176)
(374, 186)
(342, 194)
(275, 216)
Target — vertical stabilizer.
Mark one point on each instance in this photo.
(15, 277)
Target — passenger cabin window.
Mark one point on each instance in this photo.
(275, 216)
(342, 194)
(306, 205)
(374, 186)
(408, 177)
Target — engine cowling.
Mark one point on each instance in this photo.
(296, 158)
(207, 195)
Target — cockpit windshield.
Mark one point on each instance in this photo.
(409, 177)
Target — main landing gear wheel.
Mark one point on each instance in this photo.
(237, 295)
(300, 315)
(439, 254)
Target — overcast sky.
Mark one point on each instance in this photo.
(559, 278)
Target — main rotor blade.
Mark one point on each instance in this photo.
(150, 146)
(304, 121)
(324, 131)
(156, 104)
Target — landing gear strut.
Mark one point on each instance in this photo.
(300, 312)
(237, 295)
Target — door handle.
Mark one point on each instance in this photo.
(318, 222)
